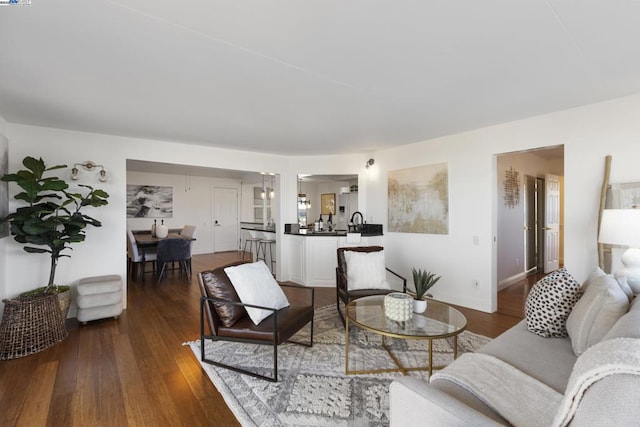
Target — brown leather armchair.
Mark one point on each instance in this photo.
(342, 287)
(227, 319)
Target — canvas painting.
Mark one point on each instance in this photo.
(4, 186)
(419, 200)
(149, 201)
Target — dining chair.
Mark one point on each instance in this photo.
(136, 259)
(173, 250)
(190, 231)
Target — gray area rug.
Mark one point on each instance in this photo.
(312, 389)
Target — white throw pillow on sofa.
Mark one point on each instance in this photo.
(602, 304)
(366, 270)
(255, 285)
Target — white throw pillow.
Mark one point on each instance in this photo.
(622, 281)
(602, 304)
(255, 285)
(366, 270)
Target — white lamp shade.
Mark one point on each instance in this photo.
(620, 227)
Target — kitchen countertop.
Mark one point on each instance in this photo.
(338, 233)
(257, 226)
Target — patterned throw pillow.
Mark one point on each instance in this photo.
(550, 302)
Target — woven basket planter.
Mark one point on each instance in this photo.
(30, 325)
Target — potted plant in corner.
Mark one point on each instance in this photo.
(50, 221)
(423, 280)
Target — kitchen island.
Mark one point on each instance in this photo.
(314, 253)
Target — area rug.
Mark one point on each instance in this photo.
(312, 388)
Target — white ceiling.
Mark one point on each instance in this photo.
(309, 77)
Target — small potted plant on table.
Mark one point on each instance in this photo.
(423, 280)
(49, 222)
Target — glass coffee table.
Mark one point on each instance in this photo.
(439, 321)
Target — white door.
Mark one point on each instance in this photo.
(225, 219)
(552, 223)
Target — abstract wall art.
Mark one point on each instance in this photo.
(149, 201)
(419, 200)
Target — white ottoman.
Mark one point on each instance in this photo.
(99, 297)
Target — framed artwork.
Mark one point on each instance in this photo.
(149, 201)
(4, 186)
(419, 200)
(328, 203)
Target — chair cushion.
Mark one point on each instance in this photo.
(366, 270)
(255, 285)
(219, 286)
(549, 303)
(290, 320)
(602, 304)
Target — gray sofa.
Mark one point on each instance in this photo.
(609, 401)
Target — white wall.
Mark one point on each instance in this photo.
(588, 134)
(192, 204)
(104, 251)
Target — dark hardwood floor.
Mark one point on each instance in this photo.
(134, 371)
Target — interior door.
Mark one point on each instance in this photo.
(530, 226)
(225, 219)
(552, 223)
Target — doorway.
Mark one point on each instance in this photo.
(529, 215)
(225, 219)
(534, 218)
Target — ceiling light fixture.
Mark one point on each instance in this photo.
(89, 166)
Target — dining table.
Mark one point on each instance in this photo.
(147, 242)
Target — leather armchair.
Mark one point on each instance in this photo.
(227, 320)
(342, 286)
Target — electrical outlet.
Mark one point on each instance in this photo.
(476, 283)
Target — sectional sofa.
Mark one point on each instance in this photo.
(591, 377)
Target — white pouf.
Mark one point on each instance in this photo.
(99, 297)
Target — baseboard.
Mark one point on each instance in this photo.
(503, 284)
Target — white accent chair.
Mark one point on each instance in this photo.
(136, 258)
(190, 231)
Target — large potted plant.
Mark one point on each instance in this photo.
(51, 218)
(423, 280)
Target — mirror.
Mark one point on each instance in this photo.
(340, 196)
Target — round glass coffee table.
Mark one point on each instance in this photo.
(440, 320)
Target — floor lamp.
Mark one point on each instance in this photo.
(622, 227)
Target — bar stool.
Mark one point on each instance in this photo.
(262, 246)
(254, 244)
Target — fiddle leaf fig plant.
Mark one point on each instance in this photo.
(52, 218)
(423, 280)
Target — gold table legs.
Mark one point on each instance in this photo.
(396, 361)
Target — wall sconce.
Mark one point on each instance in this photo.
(89, 166)
(369, 163)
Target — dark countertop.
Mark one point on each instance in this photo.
(257, 226)
(338, 233)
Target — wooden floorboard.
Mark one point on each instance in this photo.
(134, 371)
